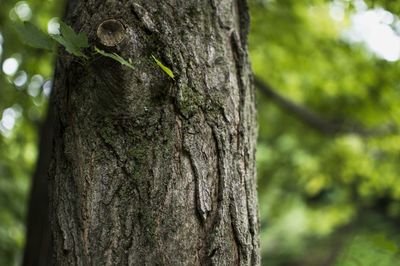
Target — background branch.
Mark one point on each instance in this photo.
(316, 121)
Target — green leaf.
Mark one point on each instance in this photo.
(164, 68)
(72, 42)
(78, 40)
(33, 36)
(116, 57)
(72, 49)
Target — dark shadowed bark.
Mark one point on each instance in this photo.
(148, 170)
(38, 231)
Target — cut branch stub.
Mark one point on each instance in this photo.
(111, 32)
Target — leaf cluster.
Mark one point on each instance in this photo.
(74, 43)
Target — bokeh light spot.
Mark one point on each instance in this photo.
(23, 11)
(10, 66)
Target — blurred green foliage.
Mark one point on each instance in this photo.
(325, 199)
(311, 185)
(24, 89)
(369, 250)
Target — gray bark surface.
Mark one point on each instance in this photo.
(148, 170)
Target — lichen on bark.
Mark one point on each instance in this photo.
(147, 170)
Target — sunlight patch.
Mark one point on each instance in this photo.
(373, 27)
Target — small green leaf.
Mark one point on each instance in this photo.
(164, 68)
(79, 40)
(68, 46)
(72, 42)
(33, 36)
(116, 57)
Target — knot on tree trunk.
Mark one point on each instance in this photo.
(111, 32)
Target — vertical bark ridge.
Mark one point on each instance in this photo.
(149, 170)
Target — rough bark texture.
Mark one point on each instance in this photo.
(148, 170)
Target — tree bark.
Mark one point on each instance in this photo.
(38, 225)
(149, 170)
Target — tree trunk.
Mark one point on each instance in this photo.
(150, 170)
